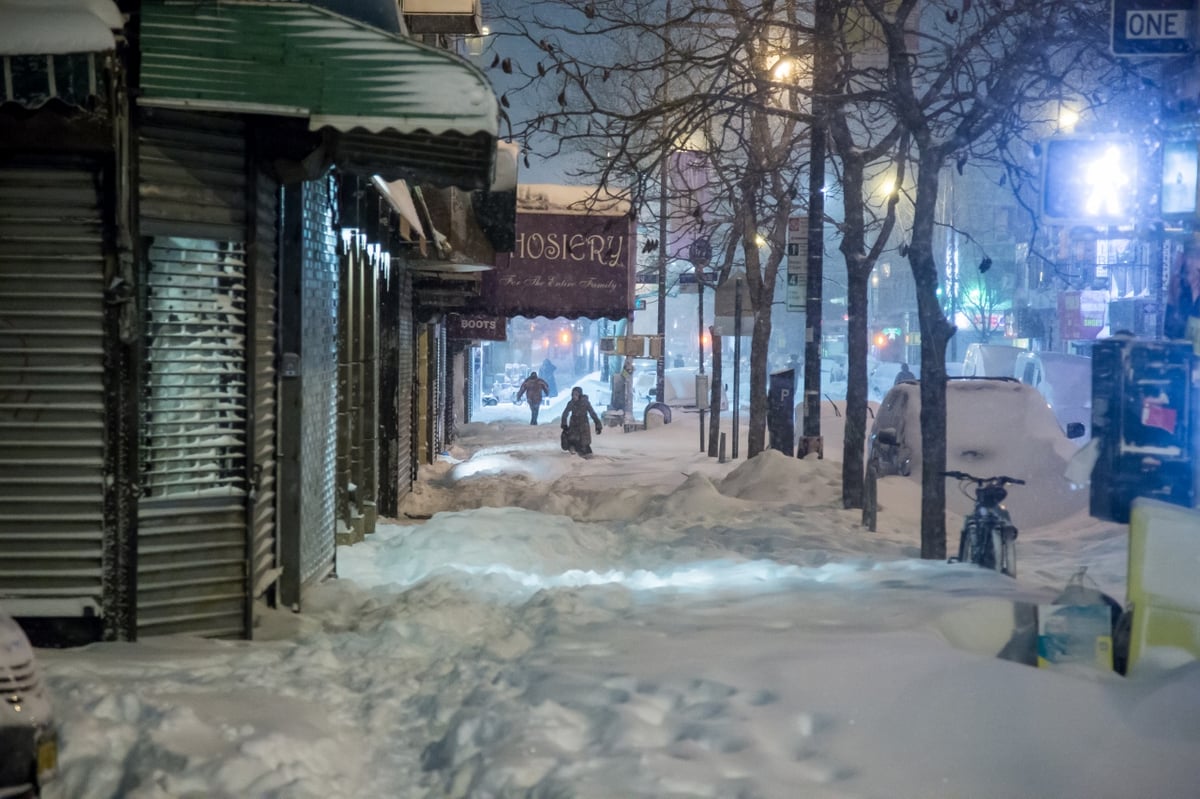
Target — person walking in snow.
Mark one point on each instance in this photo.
(548, 369)
(577, 433)
(533, 389)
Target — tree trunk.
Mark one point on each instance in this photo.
(935, 332)
(857, 281)
(858, 270)
(760, 340)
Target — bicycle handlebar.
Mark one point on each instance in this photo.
(999, 480)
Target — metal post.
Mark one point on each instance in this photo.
(700, 335)
(737, 360)
(822, 85)
(716, 391)
(604, 359)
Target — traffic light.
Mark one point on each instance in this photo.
(1090, 181)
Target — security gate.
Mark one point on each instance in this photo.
(193, 545)
(54, 525)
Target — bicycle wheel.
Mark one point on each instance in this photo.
(976, 545)
(989, 545)
(966, 542)
(1006, 542)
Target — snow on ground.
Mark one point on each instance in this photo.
(646, 623)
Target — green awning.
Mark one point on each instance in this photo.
(404, 109)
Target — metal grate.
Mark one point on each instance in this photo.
(194, 409)
(319, 351)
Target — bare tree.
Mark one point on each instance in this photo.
(983, 300)
(632, 83)
(954, 81)
(871, 151)
(964, 81)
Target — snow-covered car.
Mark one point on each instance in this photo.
(28, 736)
(994, 426)
(645, 380)
(503, 390)
(990, 360)
(1066, 383)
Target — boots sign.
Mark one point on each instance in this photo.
(564, 264)
(486, 328)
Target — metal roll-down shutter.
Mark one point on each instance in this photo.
(193, 558)
(52, 411)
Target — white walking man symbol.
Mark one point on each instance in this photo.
(1106, 181)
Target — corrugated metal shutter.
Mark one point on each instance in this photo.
(405, 444)
(347, 384)
(395, 391)
(440, 384)
(423, 404)
(472, 359)
(263, 374)
(52, 411)
(193, 175)
(358, 397)
(318, 365)
(192, 518)
(192, 522)
(368, 490)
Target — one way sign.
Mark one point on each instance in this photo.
(1154, 27)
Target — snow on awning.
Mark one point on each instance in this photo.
(400, 199)
(58, 27)
(507, 154)
(401, 109)
(48, 49)
(449, 268)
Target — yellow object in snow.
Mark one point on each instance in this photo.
(1164, 582)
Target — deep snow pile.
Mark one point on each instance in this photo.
(647, 623)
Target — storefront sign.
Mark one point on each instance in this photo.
(1081, 314)
(488, 328)
(565, 265)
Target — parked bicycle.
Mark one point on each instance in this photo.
(989, 538)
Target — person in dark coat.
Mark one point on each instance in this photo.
(905, 374)
(533, 389)
(1182, 319)
(577, 433)
(547, 373)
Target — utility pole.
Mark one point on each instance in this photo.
(823, 25)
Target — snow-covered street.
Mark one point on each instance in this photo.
(646, 623)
